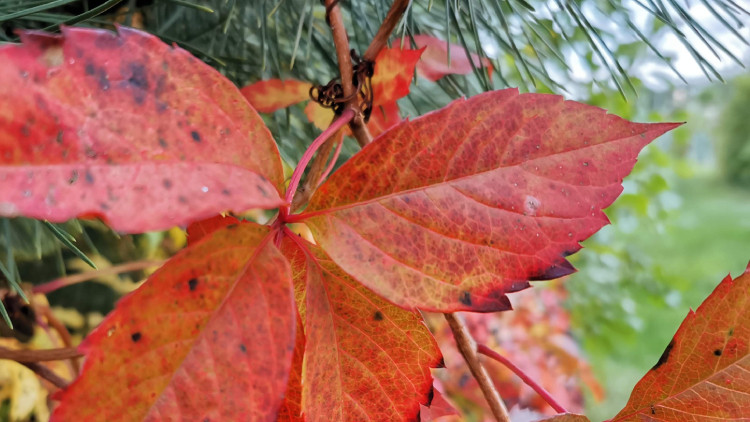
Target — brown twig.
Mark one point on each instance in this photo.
(384, 32)
(468, 348)
(25, 356)
(89, 275)
(359, 129)
(341, 42)
(62, 332)
(525, 378)
(46, 373)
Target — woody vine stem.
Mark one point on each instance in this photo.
(466, 343)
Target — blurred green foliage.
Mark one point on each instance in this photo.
(734, 134)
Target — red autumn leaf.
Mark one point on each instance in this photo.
(291, 408)
(208, 337)
(566, 417)
(436, 62)
(365, 359)
(273, 94)
(702, 374)
(383, 117)
(439, 409)
(394, 70)
(455, 209)
(125, 127)
(200, 229)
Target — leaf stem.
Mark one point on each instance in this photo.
(28, 356)
(341, 42)
(481, 348)
(31, 359)
(317, 171)
(58, 326)
(90, 275)
(345, 118)
(47, 374)
(468, 348)
(331, 165)
(384, 32)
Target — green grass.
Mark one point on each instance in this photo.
(709, 238)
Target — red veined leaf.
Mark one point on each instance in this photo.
(439, 409)
(209, 336)
(125, 127)
(200, 229)
(702, 374)
(436, 63)
(455, 209)
(273, 94)
(320, 116)
(394, 70)
(291, 408)
(383, 117)
(365, 359)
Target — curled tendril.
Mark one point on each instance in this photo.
(332, 95)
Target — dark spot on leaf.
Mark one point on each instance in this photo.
(104, 206)
(430, 396)
(161, 84)
(731, 332)
(100, 74)
(664, 356)
(407, 199)
(378, 316)
(193, 284)
(89, 177)
(262, 191)
(161, 106)
(231, 226)
(162, 142)
(196, 136)
(73, 177)
(225, 192)
(58, 138)
(182, 199)
(135, 336)
(167, 183)
(465, 298)
(243, 349)
(717, 352)
(138, 76)
(26, 130)
(653, 410)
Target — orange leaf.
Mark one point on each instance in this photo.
(320, 116)
(273, 94)
(394, 70)
(383, 117)
(436, 62)
(455, 209)
(208, 337)
(703, 373)
(365, 359)
(125, 127)
(291, 408)
(200, 229)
